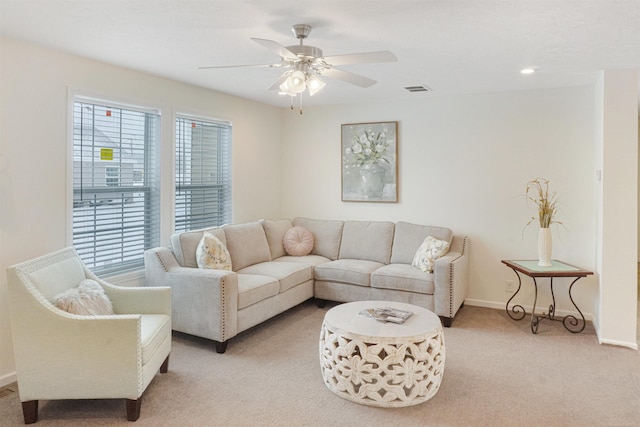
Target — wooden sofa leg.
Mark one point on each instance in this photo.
(221, 347)
(133, 409)
(30, 411)
(165, 365)
(446, 321)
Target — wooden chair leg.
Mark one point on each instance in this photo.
(165, 365)
(133, 409)
(30, 411)
(221, 347)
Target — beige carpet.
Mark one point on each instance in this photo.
(497, 374)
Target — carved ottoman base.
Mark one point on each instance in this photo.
(382, 364)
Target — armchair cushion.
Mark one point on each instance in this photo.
(154, 329)
(87, 299)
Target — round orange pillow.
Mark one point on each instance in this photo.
(298, 241)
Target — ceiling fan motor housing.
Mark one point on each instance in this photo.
(306, 52)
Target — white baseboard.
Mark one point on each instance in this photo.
(8, 379)
(632, 345)
(502, 306)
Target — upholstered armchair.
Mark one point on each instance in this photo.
(60, 355)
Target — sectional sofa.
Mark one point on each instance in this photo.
(349, 261)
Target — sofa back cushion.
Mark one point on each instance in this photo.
(184, 244)
(275, 231)
(247, 244)
(408, 238)
(327, 235)
(367, 240)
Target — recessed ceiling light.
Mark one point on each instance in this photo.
(528, 70)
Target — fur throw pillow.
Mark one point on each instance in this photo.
(88, 299)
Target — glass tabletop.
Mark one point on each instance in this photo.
(557, 268)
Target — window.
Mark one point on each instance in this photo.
(115, 185)
(203, 174)
(112, 176)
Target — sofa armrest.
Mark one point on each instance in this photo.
(451, 278)
(204, 302)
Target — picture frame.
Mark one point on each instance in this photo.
(369, 162)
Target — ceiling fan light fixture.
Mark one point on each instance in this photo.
(296, 82)
(314, 84)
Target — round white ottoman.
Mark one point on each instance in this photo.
(382, 364)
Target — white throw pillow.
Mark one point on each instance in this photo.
(211, 253)
(88, 299)
(430, 250)
(298, 241)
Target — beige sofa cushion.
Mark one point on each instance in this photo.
(253, 288)
(275, 231)
(184, 244)
(403, 277)
(367, 240)
(247, 244)
(408, 238)
(289, 274)
(326, 235)
(351, 271)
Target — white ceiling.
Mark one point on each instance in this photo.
(451, 46)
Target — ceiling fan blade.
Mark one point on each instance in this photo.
(345, 76)
(238, 66)
(277, 48)
(281, 79)
(361, 58)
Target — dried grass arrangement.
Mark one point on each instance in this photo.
(537, 191)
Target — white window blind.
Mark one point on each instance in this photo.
(203, 174)
(115, 185)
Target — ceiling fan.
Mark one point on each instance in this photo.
(304, 64)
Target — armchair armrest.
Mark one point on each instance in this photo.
(204, 302)
(135, 300)
(451, 279)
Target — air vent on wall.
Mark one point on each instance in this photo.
(421, 88)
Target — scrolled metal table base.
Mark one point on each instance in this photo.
(570, 322)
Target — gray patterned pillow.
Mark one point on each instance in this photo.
(211, 253)
(430, 250)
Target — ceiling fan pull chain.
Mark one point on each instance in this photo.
(300, 104)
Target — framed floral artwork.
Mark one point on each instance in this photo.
(369, 162)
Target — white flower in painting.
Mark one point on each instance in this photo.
(375, 145)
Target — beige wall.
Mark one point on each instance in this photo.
(34, 189)
(463, 163)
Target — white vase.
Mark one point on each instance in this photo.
(544, 247)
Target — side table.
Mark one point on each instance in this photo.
(557, 269)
